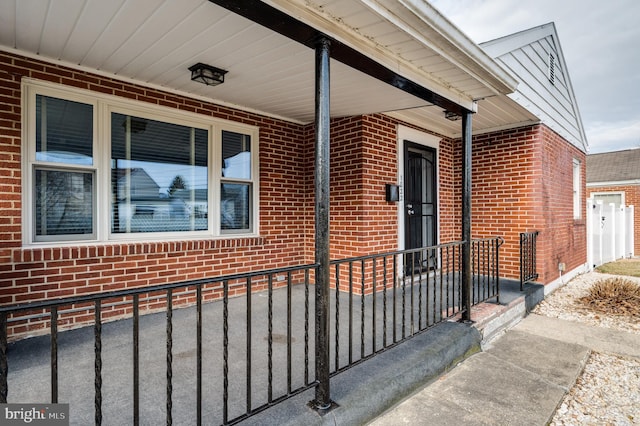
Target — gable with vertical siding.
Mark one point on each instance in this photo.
(545, 88)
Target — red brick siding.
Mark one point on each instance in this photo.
(347, 187)
(41, 273)
(522, 181)
(512, 171)
(380, 218)
(631, 198)
(562, 239)
(450, 214)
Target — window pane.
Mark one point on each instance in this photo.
(577, 205)
(235, 206)
(63, 202)
(236, 152)
(158, 176)
(614, 198)
(64, 131)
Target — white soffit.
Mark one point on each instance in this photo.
(153, 42)
(411, 38)
(494, 114)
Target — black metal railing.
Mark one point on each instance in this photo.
(229, 350)
(485, 256)
(246, 345)
(381, 300)
(528, 270)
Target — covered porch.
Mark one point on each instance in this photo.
(387, 63)
(149, 358)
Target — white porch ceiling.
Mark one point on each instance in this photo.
(153, 42)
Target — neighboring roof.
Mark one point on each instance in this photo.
(137, 173)
(618, 166)
(535, 57)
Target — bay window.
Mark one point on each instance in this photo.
(100, 168)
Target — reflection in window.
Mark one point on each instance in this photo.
(155, 181)
(235, 206)
(236, 152)
(64, 131)
(63, 202)
(158, 176)
(235, 191)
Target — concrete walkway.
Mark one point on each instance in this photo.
(520, 379)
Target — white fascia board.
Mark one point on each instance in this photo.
(613, 183)
(509, 43)
(454, 45)
(583, 135)
(338, 30)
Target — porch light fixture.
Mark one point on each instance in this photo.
(211, 76)
(453, 116)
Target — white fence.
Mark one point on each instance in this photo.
(609, 232)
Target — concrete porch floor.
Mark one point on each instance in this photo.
(362, 392)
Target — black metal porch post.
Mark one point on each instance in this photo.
(322, 399)
(466, 216)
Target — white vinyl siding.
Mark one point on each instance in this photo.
(535, 57)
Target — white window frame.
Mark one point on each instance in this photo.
(103, 106)
(577, 189)
(594, 195)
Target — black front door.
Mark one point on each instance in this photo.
(420, 202)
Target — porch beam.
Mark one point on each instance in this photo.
(466, 217)
(278, 21)
(322, 400)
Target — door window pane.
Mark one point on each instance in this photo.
(64, 131)
(235, 206)
(158, 176)
(63, 202)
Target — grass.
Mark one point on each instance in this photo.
(628, 267)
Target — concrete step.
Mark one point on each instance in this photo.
(367, 389)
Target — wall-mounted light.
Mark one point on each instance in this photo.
(453, 116)
(211, 76)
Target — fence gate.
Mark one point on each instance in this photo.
(609, 232)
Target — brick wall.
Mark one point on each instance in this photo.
(562, 238)
(504, 175)
(449, 181)
(364, 158)
(519, 184)
(523, 181)
(631, 198)
(33, 273)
